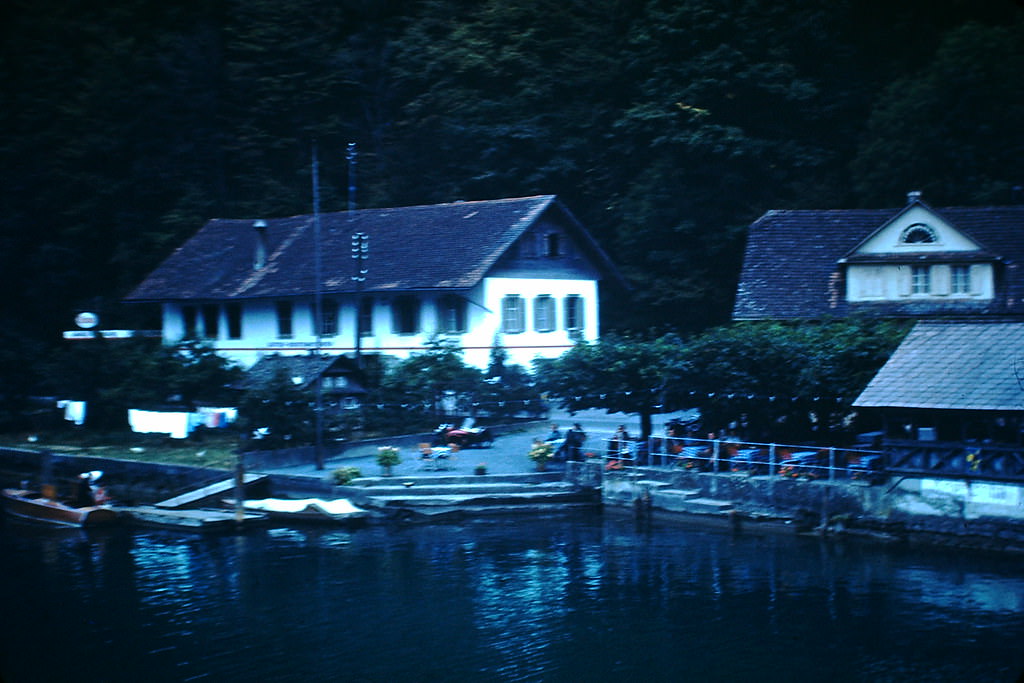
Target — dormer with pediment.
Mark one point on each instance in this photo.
(919, 256)
(915, 261)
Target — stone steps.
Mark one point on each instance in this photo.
(429, 488)
(460, 479)
(688, 501)
(440, 495)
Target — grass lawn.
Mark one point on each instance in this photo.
(207, 448)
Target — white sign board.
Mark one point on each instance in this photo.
(87, 320)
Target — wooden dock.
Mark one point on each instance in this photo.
(189, 520)
(210, 495)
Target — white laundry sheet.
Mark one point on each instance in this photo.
(74, 411)
(177, 425)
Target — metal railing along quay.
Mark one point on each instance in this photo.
(730, 456)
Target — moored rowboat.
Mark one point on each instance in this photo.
(34, 506)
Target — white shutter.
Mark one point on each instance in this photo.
(978, 275)
(941, 277)
(903, 280)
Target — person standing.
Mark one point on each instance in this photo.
(574, 440)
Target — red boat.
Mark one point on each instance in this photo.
(37, 507)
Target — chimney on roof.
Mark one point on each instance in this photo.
(913, 196)
(260, 257)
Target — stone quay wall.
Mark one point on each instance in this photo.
(943, 511)
(134, 482)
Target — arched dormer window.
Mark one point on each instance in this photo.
(918, 233)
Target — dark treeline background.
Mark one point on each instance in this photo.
(665, 126)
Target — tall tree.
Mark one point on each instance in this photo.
(953, 128)
(616, 373)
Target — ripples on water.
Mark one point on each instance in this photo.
(574, 598)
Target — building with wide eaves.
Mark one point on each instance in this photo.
(521, 273)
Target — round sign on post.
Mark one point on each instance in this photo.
(87, 320)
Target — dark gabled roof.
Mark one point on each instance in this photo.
(953, 366)
(301, 369)
(791, 266)
(414, 248)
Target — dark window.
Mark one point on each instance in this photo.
(366, 317)
(234, 315)
(553, 244)
(190, 319)
(544, 313)
(919, 233)
(211, 321)
(451, 314)
(513, 314)
(574, 315)
(920, 278)
(406, 314)
(961, 279)
(329, 322)
(284, 319)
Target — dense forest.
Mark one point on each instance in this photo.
(666, 126)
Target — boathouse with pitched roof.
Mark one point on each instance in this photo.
(952, 399)
(522, 273)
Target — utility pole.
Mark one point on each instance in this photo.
(351, 156)
(318, 315)
(360, 251)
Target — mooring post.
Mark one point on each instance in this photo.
(240, 489)
(714, 468)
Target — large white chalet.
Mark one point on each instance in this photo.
(522, 273)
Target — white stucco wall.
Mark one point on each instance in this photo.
(483, 322)
(887, 240)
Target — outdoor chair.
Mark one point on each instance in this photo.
(445, 459)
(427, 459)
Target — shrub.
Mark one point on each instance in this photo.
(343, 475)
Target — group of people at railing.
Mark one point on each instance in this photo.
(568, 447)
(685, 446)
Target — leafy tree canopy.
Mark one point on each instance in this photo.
(617, 373)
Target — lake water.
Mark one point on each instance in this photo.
(571, 598)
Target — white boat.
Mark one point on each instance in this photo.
(314, 509)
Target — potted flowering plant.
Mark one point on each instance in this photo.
(540, 453)
(387, 457)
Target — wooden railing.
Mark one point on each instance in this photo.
(955, 460)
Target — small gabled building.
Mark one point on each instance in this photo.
(522, 273)
(915, 262)
(338, 377)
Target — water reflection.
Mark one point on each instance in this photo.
(574, 598)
